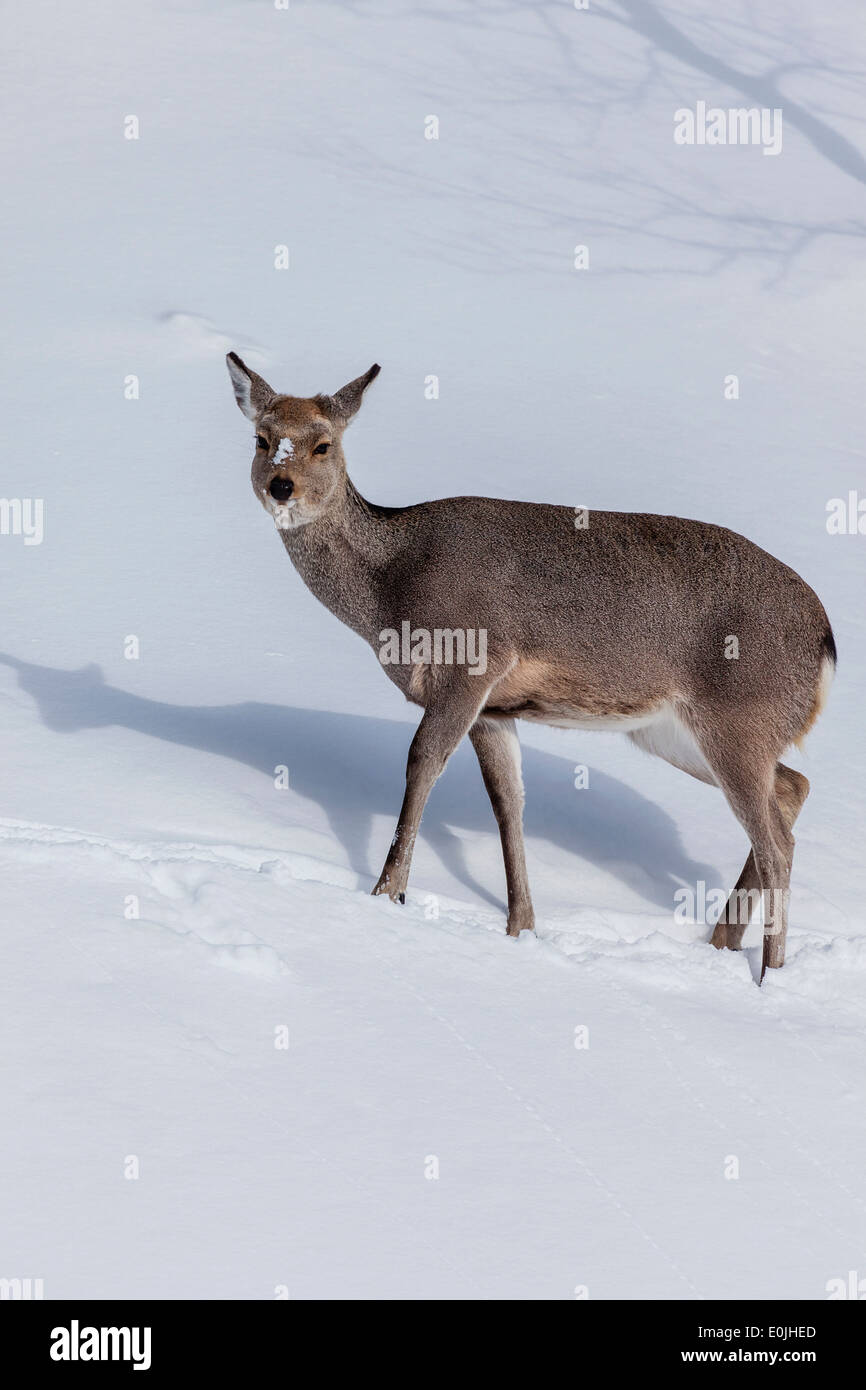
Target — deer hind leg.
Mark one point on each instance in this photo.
(790, 791)
(749, 783)
(496, 744)
(449, 715)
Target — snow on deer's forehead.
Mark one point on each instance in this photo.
(285, 450)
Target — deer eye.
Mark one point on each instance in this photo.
(261, 442)
(321, 448)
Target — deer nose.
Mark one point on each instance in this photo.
(281, 488)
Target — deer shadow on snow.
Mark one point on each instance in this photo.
(353, 766)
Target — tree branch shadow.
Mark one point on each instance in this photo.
(555, 64)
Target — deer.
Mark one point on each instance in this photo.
(702, 648)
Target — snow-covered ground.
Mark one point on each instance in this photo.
(432, 1129)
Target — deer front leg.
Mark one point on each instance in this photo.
(496, 744)
(447, 718)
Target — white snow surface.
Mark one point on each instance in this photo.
(147, 771)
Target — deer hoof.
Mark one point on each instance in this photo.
(385, 885)
(518, 924)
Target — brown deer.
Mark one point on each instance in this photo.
(701, 647)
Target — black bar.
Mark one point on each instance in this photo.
(226, 1338)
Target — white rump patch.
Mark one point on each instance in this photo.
(825, 680)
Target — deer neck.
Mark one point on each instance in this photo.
(341, 555)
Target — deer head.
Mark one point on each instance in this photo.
(299, 470)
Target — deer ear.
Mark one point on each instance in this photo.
(252, 392)
(347, 401)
